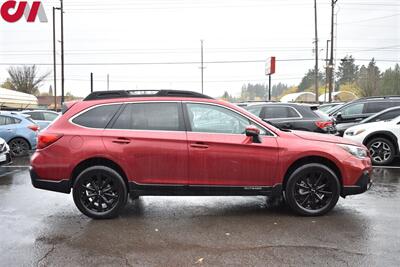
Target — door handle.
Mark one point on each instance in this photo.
(121, 140)
(199, 145)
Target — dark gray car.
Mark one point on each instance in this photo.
(294, 116)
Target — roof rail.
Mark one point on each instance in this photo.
(143, 93)
(378, 97)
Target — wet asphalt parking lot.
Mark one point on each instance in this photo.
(41, 228)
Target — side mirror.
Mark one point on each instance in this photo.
(254, 132)
(339, 116)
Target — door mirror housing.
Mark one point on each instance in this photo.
(253, 132)
(339, 116)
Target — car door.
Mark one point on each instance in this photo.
(7, 127)
(220, 154)
(354, 112)
(150, 139)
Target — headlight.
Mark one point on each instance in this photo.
(356, 132)
(356, 151)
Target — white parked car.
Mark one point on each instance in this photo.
(5, 157)
(381, 138)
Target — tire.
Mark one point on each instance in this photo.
(312, 190)
(19, 147)
(99, 192)
(382, 151)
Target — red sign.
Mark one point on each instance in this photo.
(12, 11)
(270, 66)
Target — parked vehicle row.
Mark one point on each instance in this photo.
(119, 143)
(20, 129)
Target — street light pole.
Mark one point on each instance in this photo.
(316, 52)
(331, 58)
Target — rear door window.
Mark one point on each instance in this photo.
(151, 116)
(49, 116)
(37, 116)
(97, 117)
(278, 112)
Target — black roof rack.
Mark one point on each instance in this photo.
(143, 93)
(378, 97)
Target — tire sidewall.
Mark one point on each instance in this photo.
(25, 152)
(123, 194)
(389, 143)
(298, 173)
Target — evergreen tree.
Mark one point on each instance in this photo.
(308, 80)
(369, 79)
(347, 71)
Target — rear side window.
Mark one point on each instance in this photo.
(150, 116)
(278, 112)
(375, 107)
(97, 117)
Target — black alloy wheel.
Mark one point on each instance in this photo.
(100, 192)
(382, 151)
(19, 147)
(312, 190)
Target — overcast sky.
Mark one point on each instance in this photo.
(103, 34)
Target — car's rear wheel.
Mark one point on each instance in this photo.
(19, 147)
(312, 190)
(382, 151)
(99, 192)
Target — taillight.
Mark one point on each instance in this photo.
(323, 124)
(46, 139)
(34, 127)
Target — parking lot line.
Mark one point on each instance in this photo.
(386, 167)
(15, 166)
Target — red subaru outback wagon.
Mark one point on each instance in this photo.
(167, 142)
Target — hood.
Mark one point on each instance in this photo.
(371, 125)
(323, 138)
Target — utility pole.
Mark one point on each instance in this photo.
(202, 68)
(62, 52)
(108, 82)
(326, 68)
(316, 52)
(54, 59)
(331, 58)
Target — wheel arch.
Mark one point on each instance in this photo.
(98, 161)
(383, 134)
(312, 159)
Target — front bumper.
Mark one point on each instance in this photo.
(363, 184)
(8, 159)
(62, 186)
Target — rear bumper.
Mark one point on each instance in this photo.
(62, 186)
(362, 185)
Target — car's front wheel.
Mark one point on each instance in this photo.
(100, 192)
(382, 151)
(312, 190)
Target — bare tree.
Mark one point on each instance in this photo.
(25, 79)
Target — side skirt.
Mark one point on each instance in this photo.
(200, 190)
